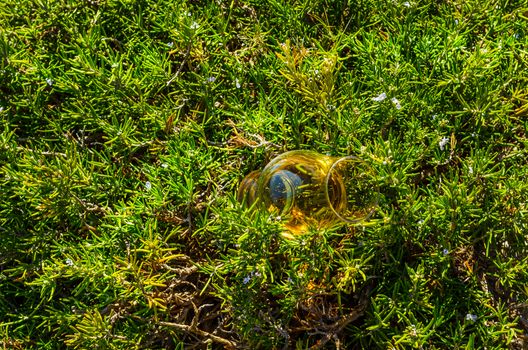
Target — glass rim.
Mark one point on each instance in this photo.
(327, 195)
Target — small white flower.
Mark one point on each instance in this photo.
(445, 251)
(516, 36)
(471, 317)
(170, 44)
(246, 279)
(443, 142)
(433, 117)
(211, 79)
(148, 185)
(470, 170)
(195, 26)
(69, 262)
(396, 103)
(1, 109)
(414, 331)
(237, 83)
(407, 4)
(456, 21)
(114, 65)
(49, 81)
(380, 97)
(164, 165)
(420, 222)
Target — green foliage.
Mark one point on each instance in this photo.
(126, 127)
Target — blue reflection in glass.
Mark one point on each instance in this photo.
(283, 185)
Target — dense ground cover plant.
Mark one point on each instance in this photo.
(126, 126)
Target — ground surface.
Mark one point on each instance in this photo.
(126, 127)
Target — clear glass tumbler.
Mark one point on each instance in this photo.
(306, 188)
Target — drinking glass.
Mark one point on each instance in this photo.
(306, 188)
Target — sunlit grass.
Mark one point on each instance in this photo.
(126, 127)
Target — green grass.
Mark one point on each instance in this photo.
(126, 127)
